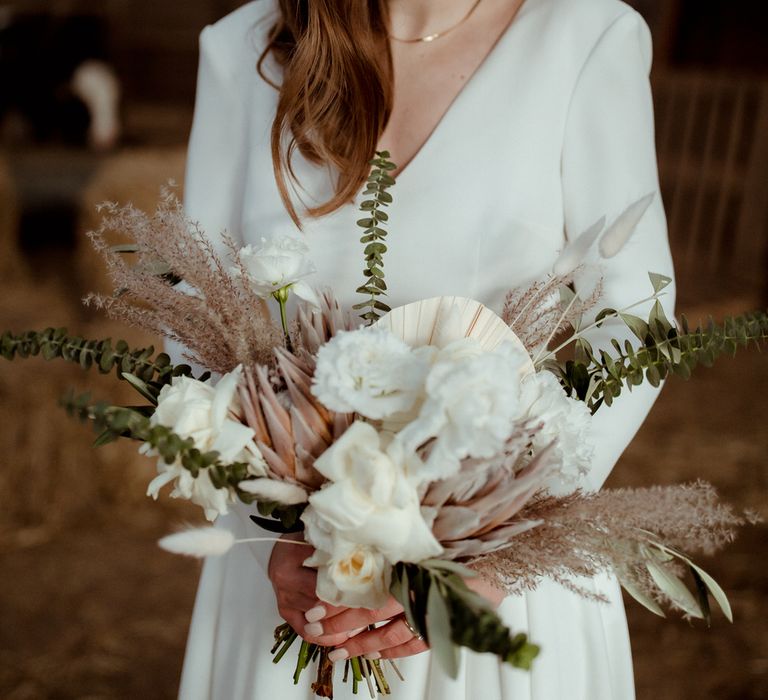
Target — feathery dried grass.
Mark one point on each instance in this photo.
(535, 314)
(584, 534)
(218, 317)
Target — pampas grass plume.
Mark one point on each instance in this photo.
(199, 542)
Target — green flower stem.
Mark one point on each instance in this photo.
(286, 645)
(282, 632)
(302, 660)
(281, 296)
(357, 673)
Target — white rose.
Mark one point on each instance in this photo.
(369, 512)
(472, 404)
(278, 264)
(565, 421)
(370, 372)
(207, 415)
(355, 575)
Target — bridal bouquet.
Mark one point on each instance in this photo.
(436, 442)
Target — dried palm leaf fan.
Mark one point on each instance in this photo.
(440, 320)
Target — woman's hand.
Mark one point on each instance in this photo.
(392, 640)
(352, 624)
(295, 585)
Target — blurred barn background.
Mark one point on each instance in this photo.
(95, 104)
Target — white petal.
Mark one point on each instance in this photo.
(359, 435)
(199, 542)
(224, 394)
(575, 252)
(153, 489)
(231, 439)
(619, 232)
(341, 507)
(273, 490)
(305, 292)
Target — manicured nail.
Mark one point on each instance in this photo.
(373, 656)
(354, 633)
(314, 629)
(315, 614)
(338, 655)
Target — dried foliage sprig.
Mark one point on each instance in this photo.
(129, 364)
(374, 236)
(217, 316)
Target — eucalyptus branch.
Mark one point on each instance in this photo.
(439, 604)
(379, 181)
(137, 366)
(598, 378)
(113, 422)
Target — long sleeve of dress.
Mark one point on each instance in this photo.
(214, 183)
(608, 162)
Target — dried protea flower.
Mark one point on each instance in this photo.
(292, 427)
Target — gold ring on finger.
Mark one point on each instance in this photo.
(412, 630)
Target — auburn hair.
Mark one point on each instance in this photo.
(336, 91)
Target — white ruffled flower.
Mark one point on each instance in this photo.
(565, 421)
(370, 372)
(367, 518)
(277, 264)
(206, 414)
(472, 404)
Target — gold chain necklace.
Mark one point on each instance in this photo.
(437, 35)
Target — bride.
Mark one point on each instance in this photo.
(515, 124)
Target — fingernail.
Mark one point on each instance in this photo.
(353, 633)
(314, 629)
(373, 656)
(338, 655)
(315, 614)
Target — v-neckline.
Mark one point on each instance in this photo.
(482, 67)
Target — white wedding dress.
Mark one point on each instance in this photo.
(554, 130)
